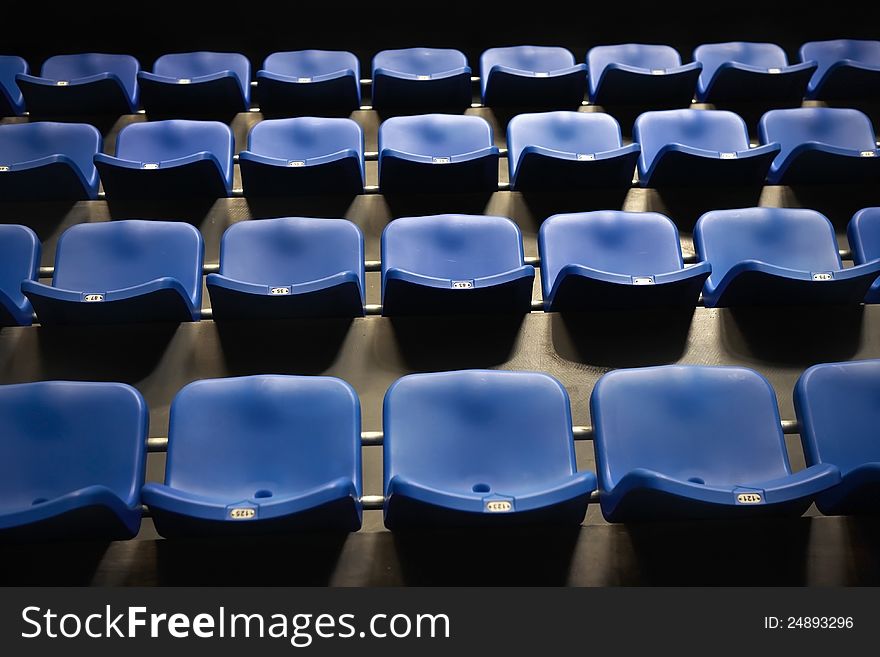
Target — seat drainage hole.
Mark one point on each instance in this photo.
(481, 488)
(697, 480)
(40, 500)
(262, 493)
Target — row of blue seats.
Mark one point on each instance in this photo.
(547, 151)
(283, 453)
(540, 76)
(141, 271)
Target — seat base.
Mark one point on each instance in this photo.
(680, 169)
(101, 97)
(566, 91)
(620, 87)
(846, 83)
(279, 97)
(398, 175)
(451, 93)
(815, 167)
(402, 513)
(340, 515)
(402, 297)
(54, 181)
(197, 179)
(738, 85)
(757, 288)
(217, 97)
(341, 300)
(90, 523)
(537, 172)
(341, 176)
(162, 305)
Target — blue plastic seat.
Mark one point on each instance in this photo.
(437, 152)
(776, 256)
(88, 83)
(613, 259)
(640, 74)
(565, 150)
(19, 261)
(47, 161)
(821, 145)
(11, 100)
(421, 78)
(742, 72)
(532, 76)
(863, 234)
(260, 454)
(699, 147)
(848, 69)
(291, 157)
(169, 159)
(73, 460)
(481, 448)
(122, 272)
(838, 410)
(693, 442)
(304, 81)
(289, 267)
(197, 83)
(454, 264)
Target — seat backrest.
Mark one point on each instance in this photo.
(10, 66)
(719, 131)
(844, 128)
(534, 59)
(311, 63)
(22, 142)
(435, 135)
(113, 255)
(61, 436)
(302, 138)
(762, 55)
(828, 53)
(793, 238)
(452, 246)
(838, 406)
(187, 65)
(647, 56)
(863, 234)
(713, 425)
(291, 250)
(630, 243)
(159, 141)
(569, 132)
(70, 67)
(19, 259)
(471, 430)
(420, 61)
(263, 436)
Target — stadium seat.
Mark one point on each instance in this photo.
(821, 145)
(169, 159)
(863, 234)
(309, 81)
(197, 83)
(481, 448)
(454, 264)
(88, 83)
(699, 147)
(421, 78)
(289, 267)
(745, 72)
(694, 442)
(776, 256)
(849, 69)
(291, 157)
(123, 272)
(838, 411)
(47, 161)
(532, 76)
(437, 152)
(640, 74)
(260, 454)
(613, 259)
(73, 460)
(11, 100)
(19, 261)
(568, 150)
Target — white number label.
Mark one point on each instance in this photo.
(498, 506)
(279, 291)
(242, 514)
(296, 163)
(728, 156)
(462, 285)
(586, 156)
(823, 276)
(643, 280)
(92, 298)
(441, 160)
(749, 498)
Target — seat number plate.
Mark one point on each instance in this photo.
(823, 276)
(242, 514)
(462, 285)
(93, 298)
(498, 506)
(279, 291)
(749, 498)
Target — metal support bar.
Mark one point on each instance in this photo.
(373, 502)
